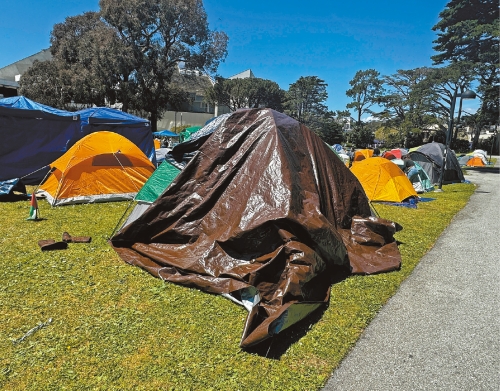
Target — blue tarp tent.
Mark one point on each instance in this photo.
(34, 135)
(7, 189)
(165, 133)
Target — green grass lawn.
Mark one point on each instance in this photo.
(115, 327)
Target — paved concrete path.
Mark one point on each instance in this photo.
(441, 330)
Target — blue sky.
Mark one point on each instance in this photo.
(277, 40)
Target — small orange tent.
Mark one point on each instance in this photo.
(103, 166)
(157, 143)
(475, 161)
(382, 180)
(362, 154)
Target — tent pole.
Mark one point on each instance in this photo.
(374, 210)
(120, 220)
(130, 203)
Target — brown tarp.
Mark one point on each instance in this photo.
(262, 214)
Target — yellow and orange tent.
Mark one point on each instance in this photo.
(382, 180)
(362, 154)
(103, 166)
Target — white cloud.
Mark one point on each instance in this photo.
(470, 110)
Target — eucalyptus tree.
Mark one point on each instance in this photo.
(43, 83)
(77, 46)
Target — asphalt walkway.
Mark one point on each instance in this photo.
(441, 330)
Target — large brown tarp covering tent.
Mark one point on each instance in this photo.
(261, 214)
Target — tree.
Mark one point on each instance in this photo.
(441, 86)
(468, 31)
(76, 46)
(42, 83)
(128, 53)
(159, 35)
(305, 98)
(406, 104)
(328, 127)
(362, 137)
(304, 101)
(249, 92)
(365, 90)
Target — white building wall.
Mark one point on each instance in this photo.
(171, 119)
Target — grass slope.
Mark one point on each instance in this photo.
(115, 327)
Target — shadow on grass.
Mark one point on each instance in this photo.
(274, 347)
(37, 220)
(14, 198)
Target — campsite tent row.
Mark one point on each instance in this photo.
(382, 178)
(428, 160)
(264, 214)
(477, 158)
(34, 135)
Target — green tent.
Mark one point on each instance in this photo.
(420, 180)
(186, 133)
(163, 176)
(157, 182)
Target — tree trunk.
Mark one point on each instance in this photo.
(477, 132)
(459, 117)
(154, 119)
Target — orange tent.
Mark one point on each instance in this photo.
(362, 154)
(157, 143)
(382, 180)
(475, 161)
(103, 166)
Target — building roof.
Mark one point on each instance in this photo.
(243, 75)
(10, 72)
(9, 83)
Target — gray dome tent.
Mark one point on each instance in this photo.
(431, 156)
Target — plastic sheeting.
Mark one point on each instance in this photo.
(264, 214)
(165, 133)
(9, 188)
(158, 182)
